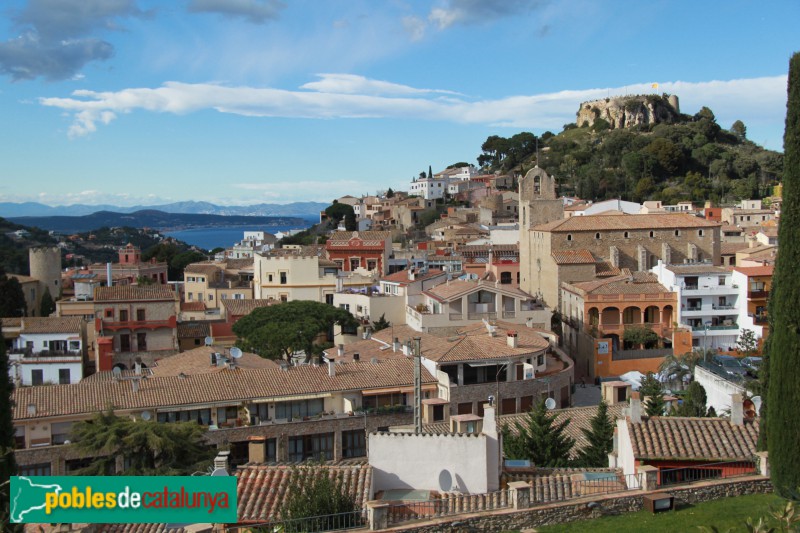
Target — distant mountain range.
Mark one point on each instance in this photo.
(152, 218)
(34, 209)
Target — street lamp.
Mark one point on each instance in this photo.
(705, 339)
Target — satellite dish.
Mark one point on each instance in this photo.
(116, 371)
(146, 415)
(209, 341)
(445, 481)
(236, 353)
(550, 403)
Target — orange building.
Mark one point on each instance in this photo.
(757, 281)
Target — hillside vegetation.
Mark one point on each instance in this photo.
(691, 159)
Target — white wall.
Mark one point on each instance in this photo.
(718, 389)
(408, 461)
(24, 371)
(625, 458)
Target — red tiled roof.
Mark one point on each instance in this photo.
(263, 489)
(765, 270)
(133, 293)
(193, 306)
(693, 439)
(67, 324)
(626, 222)
(573, 257)
(401, 277)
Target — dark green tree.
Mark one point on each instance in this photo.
(747, 342)
(278, 331)
(8, 466)
(338, 211)
(739, 130)
(390, 193)
(430, 172)
(652, 389)
(47, 306)
(600, 435)
(381, 323)
(539, 438)
(694, 402)
(147, 447)
(783, 431)
(313, 495)
(640, 336)
(144, 280)
(12, 299)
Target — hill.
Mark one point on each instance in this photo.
(34, 209)
(148, 219)
(650, 152)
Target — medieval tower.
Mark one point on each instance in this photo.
(45, 266)
(538, 204)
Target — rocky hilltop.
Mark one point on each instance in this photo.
(628, 111)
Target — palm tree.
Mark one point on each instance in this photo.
(677, 368)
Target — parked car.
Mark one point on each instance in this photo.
(752, 362)
(729, 365)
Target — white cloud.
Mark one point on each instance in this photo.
(347, 96)
(455, 12)
(255, 11)
(415, 27)
(353, 84)
(313, 190)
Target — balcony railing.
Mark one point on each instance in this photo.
(135, 324)
(715, 328)
(726, 307)
(479, 316)
(47, 353)
(757, 294)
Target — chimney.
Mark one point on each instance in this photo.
(340, 350)
(109, 277)
(636, 408)
(396, 344)
(138, 368)
(331, 368)
(511, 338)
(411, 274)
(737, 410)
(221, 462)
(356, 356)
(135, 385)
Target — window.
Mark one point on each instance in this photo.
(438, 412)
(329, 299)
(354, 443)
(41, 469)
(227, 415)
(140, 314)
(299, 409)
(569, 236)
(700, 232)
(190, 296)
(721, 280)
(37, 376)
(597, 235)
(677, 233)
(283, 278)
(505, 278)
(201, 416)
(141, 341)
(63, 376)
(74, 346)
(319, 446)
(210, 297)
(224, 296)
(652, 234)
(269, 278)
(383, 400)
(284, 297)
(540, 360)
(372, 264)
(19, 437)
(123, 315)
(355, 263)
(59, 432)
(199, 296)
(109, 313)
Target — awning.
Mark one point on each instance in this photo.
(392, 390)
(312, 396)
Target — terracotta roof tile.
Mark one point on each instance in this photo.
(626, 222)
(193, 307)
(765, 270)
(262, 489)
(730, 248)
(67, 324)
(363, 235)
(244, 307)
(697, 269)
(191, 330)
(573, 257)
(209, 269)
(635, 283)
(401, 277)
(694, 439)
(458, 288)
(134, 293)
(234, 385)
(198, 361)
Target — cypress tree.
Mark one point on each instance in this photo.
(783, 430)
(539, 438)
(600, 435)
(47, 306)
(8, 466)
(652, 389)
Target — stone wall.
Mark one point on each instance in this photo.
(629, 111)
(577, 509)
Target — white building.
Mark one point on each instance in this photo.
(45, 350)
(428, 188)
(708, 302)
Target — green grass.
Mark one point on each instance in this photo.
(722, 514)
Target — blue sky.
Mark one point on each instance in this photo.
(248, 101)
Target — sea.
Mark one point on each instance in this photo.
(227, 236)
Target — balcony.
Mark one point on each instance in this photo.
(45, 353)
(110, 325)
(716, 328)
(756, 295)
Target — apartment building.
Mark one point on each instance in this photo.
(368, 250)
(212, 282)
(755, 284)
(45, 350)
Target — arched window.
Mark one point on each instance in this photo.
(569, 236)
(626, 234)
(652, 234)
(597, 235)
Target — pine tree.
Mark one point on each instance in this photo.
(8, 466)
(694, 402)
(47, 306)
(783, 430)
(12, 299)
(601, 439)
(381, 323)
(539, 439)
(652, 389)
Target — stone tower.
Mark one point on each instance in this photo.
(538, 204)
(673, 101)
(45, 267)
